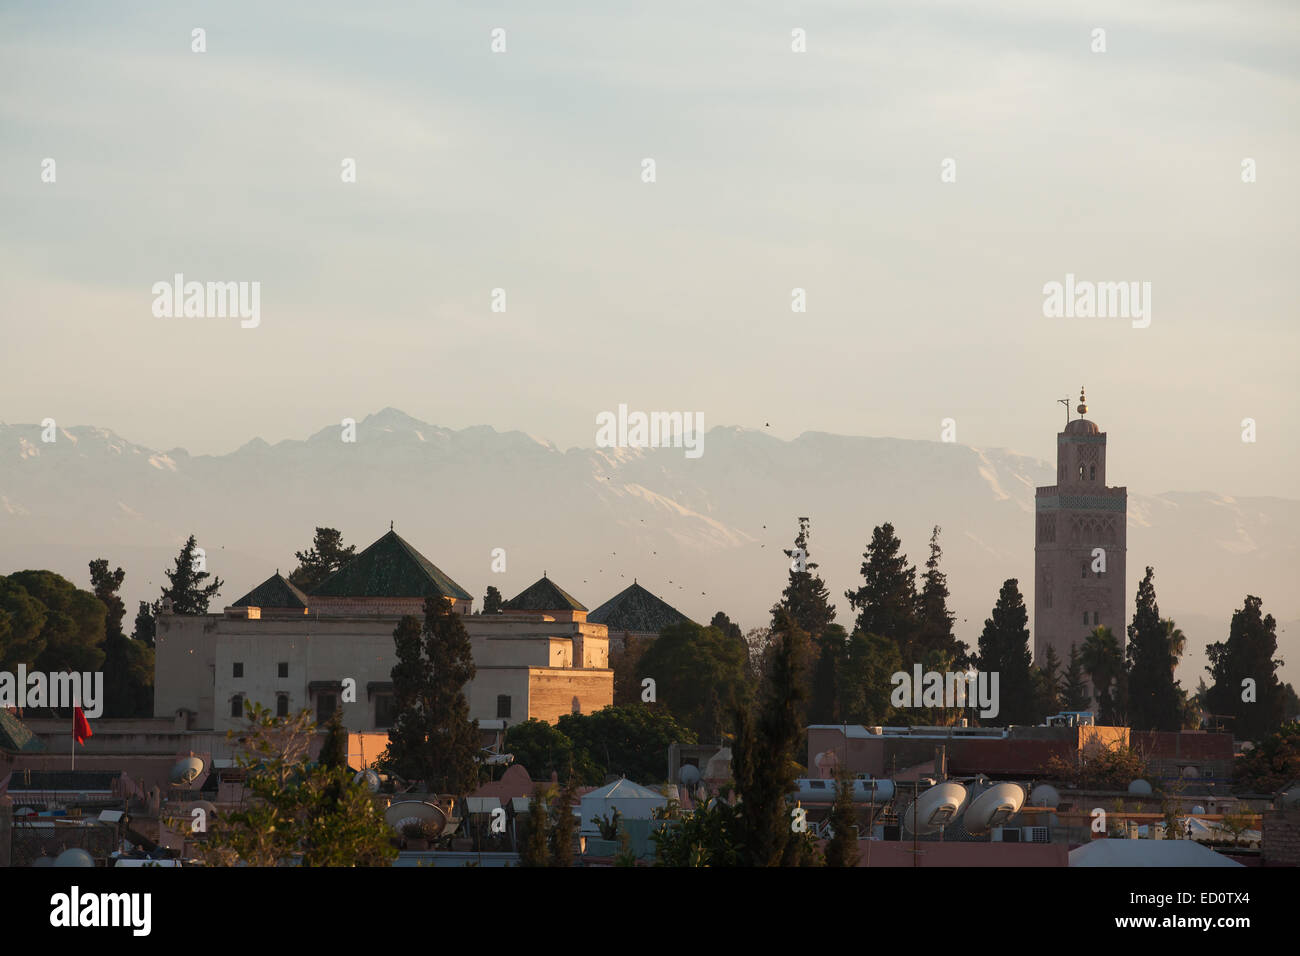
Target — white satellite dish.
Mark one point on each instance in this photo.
(403, 812)
(689, 775)
(1140, 788)
(186, 770)
(935, 809)
(994, 807)
(1045, 795)
(369, 778)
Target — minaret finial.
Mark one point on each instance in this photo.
(1083, 402)
(390, 525)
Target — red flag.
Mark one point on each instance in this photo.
(80, 726)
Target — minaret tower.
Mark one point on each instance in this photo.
(1079, 544)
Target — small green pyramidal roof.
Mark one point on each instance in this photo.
(275, 591)
(636, 609)
(17, 737)
(544, 595)
(390, 568)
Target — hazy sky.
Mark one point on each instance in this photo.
(522, 170)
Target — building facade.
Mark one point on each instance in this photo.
(290, 651)
(1080, 543)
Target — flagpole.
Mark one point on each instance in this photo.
(74, 738)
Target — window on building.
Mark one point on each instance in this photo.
(1092, 472)
(326, 704)
(239, 668)
(1081, 472)
(237, 706)
(1085, 617)
(577, 706)
(282, 705)
(1095, 617)
(1083, 568)
(282, 669)
(384, 710)
(503, 705)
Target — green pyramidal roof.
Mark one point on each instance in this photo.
(545, 595)
(636, 609)
(17, 737)
(275, 591)
(390, 568)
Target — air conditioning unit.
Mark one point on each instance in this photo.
(1035, 835)
(1006, 834)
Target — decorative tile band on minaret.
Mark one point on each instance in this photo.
(1080, 543)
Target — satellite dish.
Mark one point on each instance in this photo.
(43, 861)
(935, 809)
(1190, 772)
(369, 778)
(1045, 795)
(689, 775)
(1198, 809)
(75, 857)
(187, 770)
(1140, 788)
(994, 807)
(404, 812)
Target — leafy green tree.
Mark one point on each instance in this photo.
(432, 738)
(763, 755)
(864, 690)
(128, 664)
(886, 601)
(630, 741)
(73, 625)
(1272, 765)
(697, 672)
(299, 810)
(832, 652)
(842, 848)
(934, 620)
(1074, 686)
(710, 835)
(186, 590)
(492, 601)
(542, 749)
(1153, 694)
(22, 625)
(1247, 656)
(325, 556)
(1104, 664)
(1004, 650)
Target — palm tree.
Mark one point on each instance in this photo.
(1177, 641)
(1105, 667)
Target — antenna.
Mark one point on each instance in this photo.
(1066, 403)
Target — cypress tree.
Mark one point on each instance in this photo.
(886, 601)
(492, 601)
(763, 762)
(325, 556)
(805, 597)
(1154, 701)
(535, 850)
(432, 737)
(1004, 650)
(1049, 682)
(334, 750)
(934, 620)
(842, 848)
(565, 828)
(1247, 655)
(1074, 686)
(128, 664)
(188, 593)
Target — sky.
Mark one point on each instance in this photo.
(774, 170)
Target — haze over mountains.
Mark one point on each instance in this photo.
(704, 534)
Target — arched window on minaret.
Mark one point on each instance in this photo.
(1085, 618)
(1092, 472)
(1081, 469)
(1095, 620)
